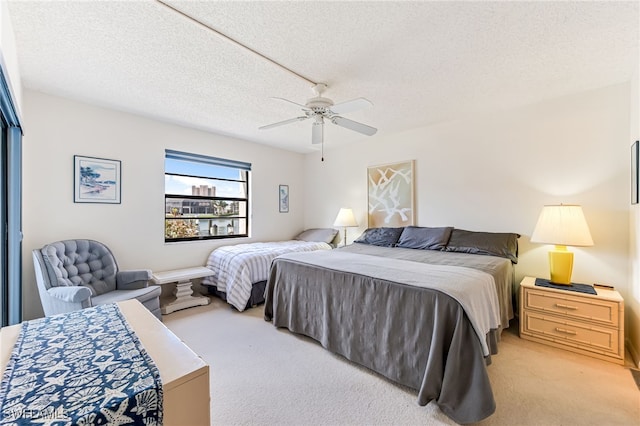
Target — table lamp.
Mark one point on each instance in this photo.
(345, 219)
(562, 225)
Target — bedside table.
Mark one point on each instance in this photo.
(591, 325)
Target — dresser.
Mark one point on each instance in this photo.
(184, 375)
(591, 325)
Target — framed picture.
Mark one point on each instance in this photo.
(635, 157)
(390, 195)
(283, 196)
(96, 180)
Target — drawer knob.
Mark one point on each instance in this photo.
(560, 305)
(563, 330)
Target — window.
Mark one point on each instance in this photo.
(205, 197)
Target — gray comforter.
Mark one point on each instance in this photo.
(417, 336)
(499, 268)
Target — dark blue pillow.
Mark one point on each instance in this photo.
(418, 237)
(384, 237)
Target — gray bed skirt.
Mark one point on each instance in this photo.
(255, 298)
(417, 337)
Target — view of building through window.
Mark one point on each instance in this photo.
(205, 197)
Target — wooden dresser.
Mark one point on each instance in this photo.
(184, 375)
(591, 325)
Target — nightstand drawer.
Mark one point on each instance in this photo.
(586, 336)
(583, 308)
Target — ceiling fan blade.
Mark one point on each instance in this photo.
(317, 132)
(354, 125)
(304, 107)
(280, 123)
(352, 105)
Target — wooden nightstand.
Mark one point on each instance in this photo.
(591, 325)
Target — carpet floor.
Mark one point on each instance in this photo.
(268, 376)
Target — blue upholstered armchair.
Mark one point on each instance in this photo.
(77, 274)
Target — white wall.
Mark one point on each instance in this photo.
(56, 129)
(494, 173)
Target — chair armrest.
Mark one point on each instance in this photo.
(133, 280)
(71, 294)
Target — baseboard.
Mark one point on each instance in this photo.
(635, 355)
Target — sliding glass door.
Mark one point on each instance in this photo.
(10, 208)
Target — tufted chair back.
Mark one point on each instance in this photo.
(85, 263)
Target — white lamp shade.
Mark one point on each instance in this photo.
(562, 225)
(345, 218)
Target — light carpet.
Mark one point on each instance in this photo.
(268, 376)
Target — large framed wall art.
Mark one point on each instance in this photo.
(96, 180)
(390, 195)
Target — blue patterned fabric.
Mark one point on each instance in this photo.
(83, 368)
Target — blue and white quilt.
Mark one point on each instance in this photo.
(82, 368)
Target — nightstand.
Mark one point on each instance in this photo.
(591, 325)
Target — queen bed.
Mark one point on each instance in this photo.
(240, 271)
(423, 307)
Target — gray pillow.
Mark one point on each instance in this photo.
(324, 235)
(418, 237)
(487, 243)
(384, 237)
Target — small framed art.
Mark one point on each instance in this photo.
(96, 180)
(635, 158)
(283, 197)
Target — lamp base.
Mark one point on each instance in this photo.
(561, 265)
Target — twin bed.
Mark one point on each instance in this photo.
(240, 271)
(424, 307)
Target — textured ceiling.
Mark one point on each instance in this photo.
(418, 62)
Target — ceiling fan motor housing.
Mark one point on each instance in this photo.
(319, 104)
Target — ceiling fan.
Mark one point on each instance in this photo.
(318, 109)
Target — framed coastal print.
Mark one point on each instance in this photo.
(96, 180)
(283, 197)
(635, 158)
(390, 195)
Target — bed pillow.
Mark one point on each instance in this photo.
(384, 237)
(323, 235)
(418, 237)
(487, 243)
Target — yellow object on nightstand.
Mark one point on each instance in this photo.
(589, 324)
(560, 265)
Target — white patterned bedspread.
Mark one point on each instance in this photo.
(235, 268)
